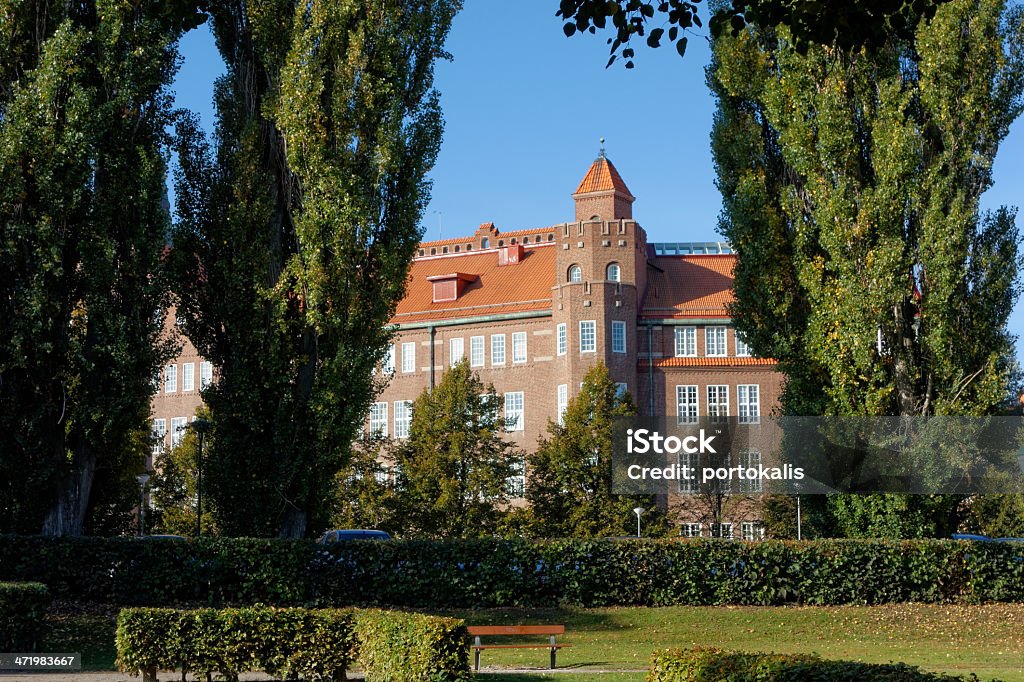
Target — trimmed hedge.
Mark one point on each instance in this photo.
(495, 573)
(706, 664)
(22, 615)
(292, 643)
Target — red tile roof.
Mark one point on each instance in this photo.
(523, 287)
(602, 177)
(689, 286)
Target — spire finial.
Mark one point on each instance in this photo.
(600, 154)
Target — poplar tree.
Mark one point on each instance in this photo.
(83, 108)
(297, 226)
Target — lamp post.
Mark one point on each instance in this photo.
(638, 511)
(142, 478)
(201, 427)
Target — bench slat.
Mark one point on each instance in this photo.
(509, 630)
(520, 646)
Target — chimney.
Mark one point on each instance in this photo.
(510, 255)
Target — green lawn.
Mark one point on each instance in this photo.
(987, 640)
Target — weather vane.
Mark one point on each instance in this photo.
(602, 148)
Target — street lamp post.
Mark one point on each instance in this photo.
(200, 426)
(638, 511)
(142, 478)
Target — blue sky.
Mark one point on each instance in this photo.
(525, 107)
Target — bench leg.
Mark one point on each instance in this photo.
(553, 650)
(476, 659)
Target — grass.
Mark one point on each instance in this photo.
(959, 639)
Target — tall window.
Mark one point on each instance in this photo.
(379, 419)
(689, 486)
(562, 402)
(714, 342)
(178, 425)
(476, 351)
(170, 378)
(750, 459)
(614, 273)
(718, 402)
(517, 482)
(497, 349)
(588, 336)
(687, 410)
(563, 338)
(721, 530)
(621, 389)
(618, 336)
(205, 374)
(159, 435)
(742, 349)
(519, 348)
(456, 349)
(575, 273)
(686, 342)
(408, 357)
(514, 411)
(188, 376)
(748, 403)
(389, 360)
(689, 530)
(403, 418)
(753, 530)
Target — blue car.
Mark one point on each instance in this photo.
(356, 534)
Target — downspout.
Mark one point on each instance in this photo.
(650, 366)
(432, 332)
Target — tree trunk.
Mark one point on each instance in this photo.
(293, 525)
(67, 513)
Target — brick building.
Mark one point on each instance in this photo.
(533, 310)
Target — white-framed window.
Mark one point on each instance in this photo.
(618, 336)
(690, 462)
(205, 374)
(588, 336)
(721, 530)
(497, 349)
(562, 402)
(714, 342)
(750, 459)
(742, 349)
(178, 426)
(382, 473)
(752, 530)
(170, 378)
(562, 334)
(403, 418)
(379, 419)
(159, 435)
(686, 342)
(621, 389)
(188, 376)
(389, 360)
(748, 403)
(514, 406)
(517, 482)
(718, 402)
(519, 348)
(687, 406)
(689, 530)
(456, 351)
(575, 274)
(409, 357)
(614, 272)
(476, 351)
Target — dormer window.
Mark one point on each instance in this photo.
(449, 287)
(575, 274)
(614, 273)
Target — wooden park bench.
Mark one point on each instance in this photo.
(511, 631)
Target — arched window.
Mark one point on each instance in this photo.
(613, 272)
(575, 274)
(484, 243)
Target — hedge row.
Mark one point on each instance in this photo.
(292, 643)
(488, 573)
(22, 615)
(697, 665)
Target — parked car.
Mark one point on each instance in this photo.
(971, 536)
(353, 534)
